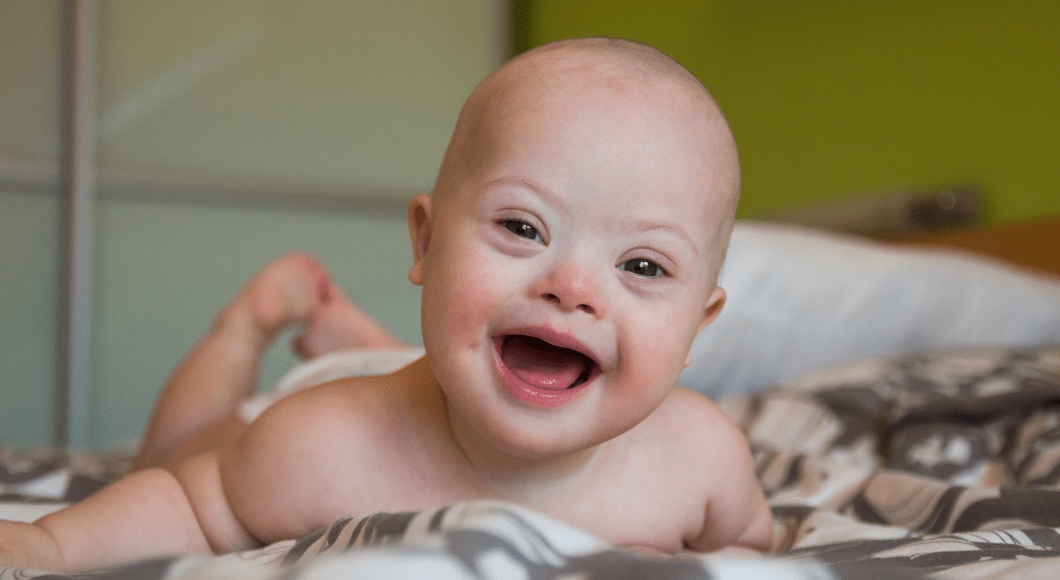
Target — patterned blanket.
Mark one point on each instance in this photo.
(943, 464)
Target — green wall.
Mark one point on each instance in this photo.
(829, 98)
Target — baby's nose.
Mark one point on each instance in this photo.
(573, 286)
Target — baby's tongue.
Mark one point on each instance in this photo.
(541, 364)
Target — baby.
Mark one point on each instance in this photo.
(568, 257)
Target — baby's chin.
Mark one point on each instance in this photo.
(529, 437)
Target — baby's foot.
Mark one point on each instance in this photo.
(340, 324)
(286, 291)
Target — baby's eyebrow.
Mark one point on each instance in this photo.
(545, 193)
(643, 225)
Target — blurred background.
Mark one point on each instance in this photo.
(218, 134)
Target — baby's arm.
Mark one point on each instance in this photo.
(737, 514)
(149, 513)
(758, 534)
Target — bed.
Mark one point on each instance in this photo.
(902, 403)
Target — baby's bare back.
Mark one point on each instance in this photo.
(357, 446)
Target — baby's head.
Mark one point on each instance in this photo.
(570, 252)
(621, 77)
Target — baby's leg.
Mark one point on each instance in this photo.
(221, 370)
(339, 324)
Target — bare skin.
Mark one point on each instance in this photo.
(196, 410)
(588, 198)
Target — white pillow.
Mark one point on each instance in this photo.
(802, 299)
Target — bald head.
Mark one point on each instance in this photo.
(627, 57)
(628, 77)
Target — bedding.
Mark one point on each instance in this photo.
(800, 299)
(940, 464)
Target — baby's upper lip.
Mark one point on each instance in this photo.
(555, 338)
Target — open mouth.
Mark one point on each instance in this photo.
(543, 365)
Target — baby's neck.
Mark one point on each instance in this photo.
(524, 479)
(517, 478)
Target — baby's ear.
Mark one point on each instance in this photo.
(713, 309)
(420, 232)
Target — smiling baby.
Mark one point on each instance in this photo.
(568, 256)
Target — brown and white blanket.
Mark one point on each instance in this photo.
(943, 464)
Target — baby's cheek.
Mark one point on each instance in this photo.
(655, 351)
(469, 298)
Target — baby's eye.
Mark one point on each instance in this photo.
(642, 267)
(523, 230)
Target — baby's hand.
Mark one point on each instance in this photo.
(25, 545)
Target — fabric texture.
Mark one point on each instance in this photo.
(945, 462)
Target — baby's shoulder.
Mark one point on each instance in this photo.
(689, 411)
(698, 463)
(699, 432)
(715, 454)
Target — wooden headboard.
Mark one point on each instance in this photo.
(1031, 243)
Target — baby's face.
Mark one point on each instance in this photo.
(569, 266)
